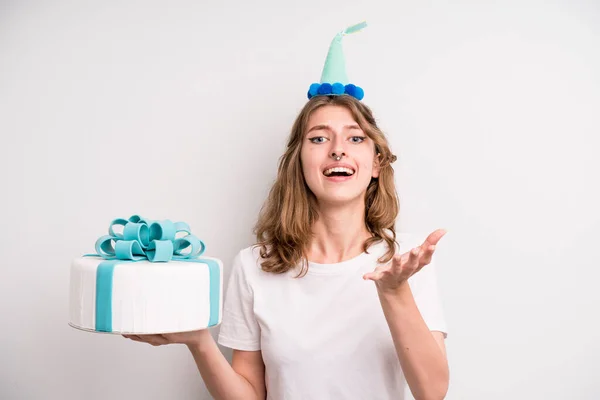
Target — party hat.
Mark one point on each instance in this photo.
(334, 79)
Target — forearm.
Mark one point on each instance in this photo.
(221, 380)
(422, 360)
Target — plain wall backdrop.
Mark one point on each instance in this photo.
(181, 110)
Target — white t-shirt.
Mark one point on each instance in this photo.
(322, 336)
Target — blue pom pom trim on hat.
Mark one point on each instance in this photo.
(336, 89)
(325, 88)
(359, 93)
(313, 90)
(351, 89)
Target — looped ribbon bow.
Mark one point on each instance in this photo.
(156, 241)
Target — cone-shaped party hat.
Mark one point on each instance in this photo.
(334, 79)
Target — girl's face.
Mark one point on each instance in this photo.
(332, 132)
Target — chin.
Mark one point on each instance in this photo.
(340, 198)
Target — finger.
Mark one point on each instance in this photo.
(403, 258)
(374, 276)
(425, 258)
(428, 254)
(143, 338)
(404, 264)
(413, 260)
(401, 263)
(154, 340)
(434, 237)
(376, 272)
(398, 260)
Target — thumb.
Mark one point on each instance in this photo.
(374, 276)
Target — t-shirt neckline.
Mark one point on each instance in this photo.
(315, 268)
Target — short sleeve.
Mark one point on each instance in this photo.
(239, 329)
(426, 293)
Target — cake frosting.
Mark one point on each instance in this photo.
(148, 278)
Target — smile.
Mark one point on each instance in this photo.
(338, 171)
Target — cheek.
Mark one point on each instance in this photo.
(309, 162)
(366, 163)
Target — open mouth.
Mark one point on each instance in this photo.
(338, 171)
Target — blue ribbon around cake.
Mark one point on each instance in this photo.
(146, 240)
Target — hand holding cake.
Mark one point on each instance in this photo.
(193, 338)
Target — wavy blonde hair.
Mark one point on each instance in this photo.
(284, 227)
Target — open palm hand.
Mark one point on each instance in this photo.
(392, 275)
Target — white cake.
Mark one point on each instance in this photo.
(147, 297)
(142, 295)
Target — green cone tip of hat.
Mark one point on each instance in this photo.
(334, 78)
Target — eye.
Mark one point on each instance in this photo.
(358, 139)
(318, 139)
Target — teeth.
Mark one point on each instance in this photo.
(338, 169)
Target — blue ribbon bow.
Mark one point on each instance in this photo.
(147, 240)
(155, 241)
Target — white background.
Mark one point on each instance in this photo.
(180, 110)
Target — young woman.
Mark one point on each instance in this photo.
(330, 303)
(327, 304)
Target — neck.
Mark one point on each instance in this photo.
(338, 233)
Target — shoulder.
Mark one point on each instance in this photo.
(248, 256)
(247, 263)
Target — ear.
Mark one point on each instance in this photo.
(376, 165)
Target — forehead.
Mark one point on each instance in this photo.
(331, 115)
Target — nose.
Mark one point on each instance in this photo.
(338, 156)
(337, 148)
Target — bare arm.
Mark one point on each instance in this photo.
(243, 380)
(422, 353)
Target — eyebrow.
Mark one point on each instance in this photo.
(328, 128)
